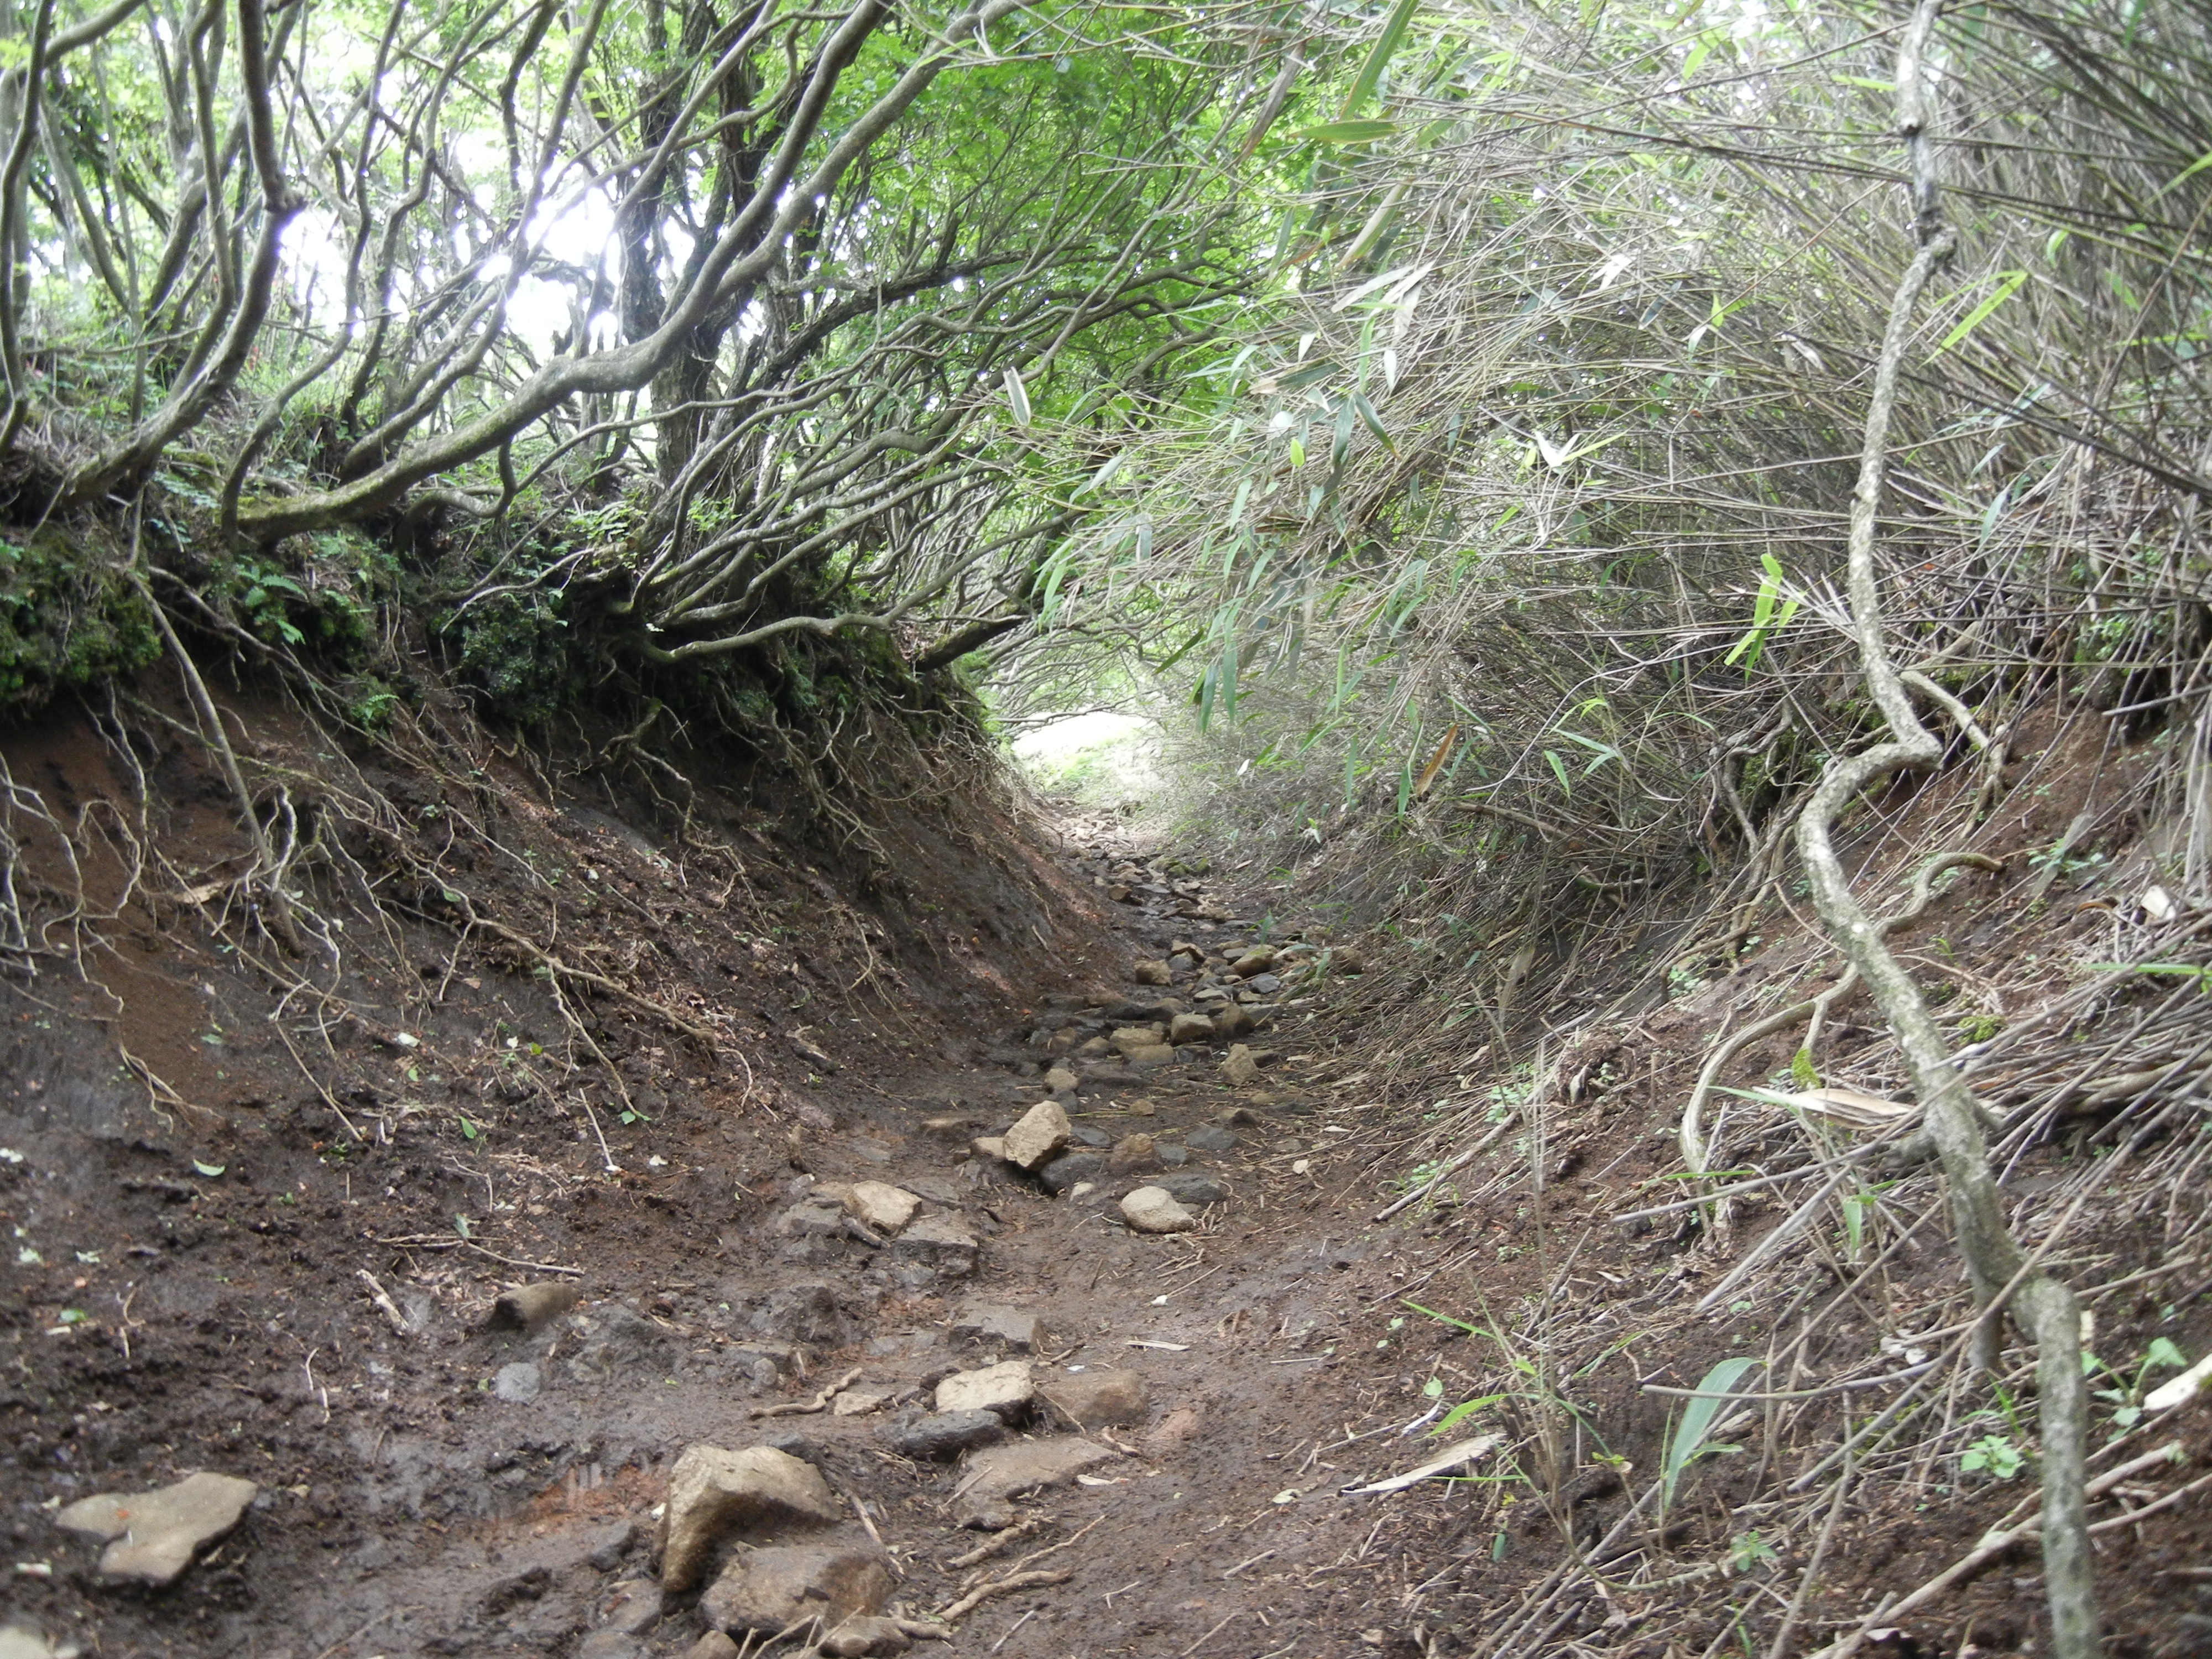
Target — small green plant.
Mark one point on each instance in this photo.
(1749, 1552)
(1994, 1454)
(1980, 1028)
(1766, 620)
(2126, 1395)
(1801, 1071)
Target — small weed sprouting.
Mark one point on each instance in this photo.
(1994, 1454)
(2127, 1392)
(1749, 1552)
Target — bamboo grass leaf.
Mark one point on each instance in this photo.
(2008, 286)
(1688, 1440)
(1385, 45)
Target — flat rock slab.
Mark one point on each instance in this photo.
(880, 1205)
(1004, 1390)
(1154, 1209)
(713, 1493)
(1004, 1471)
(767, 1591)
(152, 1535)
(1092, 1400)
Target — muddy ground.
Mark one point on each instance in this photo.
(259, 1226)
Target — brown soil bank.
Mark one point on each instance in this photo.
(580, 1111)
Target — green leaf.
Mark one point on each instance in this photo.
(468, 1129)
(2008, 286)
(210, 1170)
(1018, 395)
(1386, 43)
(1345, 132)
(1373, 420)
(1559, 770)
(1460, 1413)
(1698, 1418)
(2185, 174)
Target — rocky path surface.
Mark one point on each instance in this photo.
(1068, 1348)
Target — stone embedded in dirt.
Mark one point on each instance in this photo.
(1258, 960)
(936, 1188)
(991, 1147)
(1083, 1134)
(865, 1634)
(1141, 1108)
(154, 1534)
(1191, 1187)
(791, 1443)
(944, 1241)
(527, 1306)
(815, 1216)
(612, 1543)
(1004, 1471)
(1265, 985)
(610, 1645)
(1190, 1028)
(712, 1493)
(1211, 1138)
(1061, 1081)
(22, 1642)
(1127, 1037)
(1174, 1157)
(767, 1591)
(712, 1645)
(1094, 1399)
(1095, 1048)
(1238, 1117)
(1071, 1170)
(1238, 1067)
(1024, 1333)
(1134, 1154)
(1234, 1021)
(945, 1435)
(1150, 1058)
(882, 1207)
(1038, 1136)
(947, 1128)
(808, 1311)
(1005, 1388)
(858, 1402)
(517, 1384)
(1154, 1209)
(1151, 973)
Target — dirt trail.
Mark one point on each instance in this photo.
(245, 1287)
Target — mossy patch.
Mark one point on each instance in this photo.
(67, 620)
